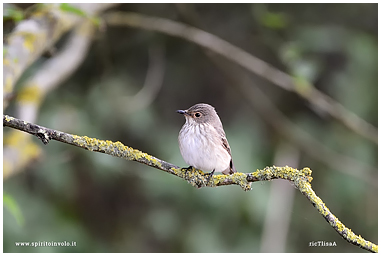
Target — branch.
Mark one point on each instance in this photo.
(32, 93)
(35, 35)
(152, 83)
(197, 178)
(283, 125)
(211, 42)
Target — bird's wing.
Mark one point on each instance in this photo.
(225, 144)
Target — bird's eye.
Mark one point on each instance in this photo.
(198, 114)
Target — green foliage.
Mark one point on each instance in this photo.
(12, 206)
(12, 12)
(274, 20)
(74, 10)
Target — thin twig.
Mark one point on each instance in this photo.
(261, 68)
(197, 178)
(280, 123)
(152, 83)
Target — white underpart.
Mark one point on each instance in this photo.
(204, 152)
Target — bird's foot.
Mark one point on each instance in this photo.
(210, 176)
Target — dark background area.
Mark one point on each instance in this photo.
(107, 204)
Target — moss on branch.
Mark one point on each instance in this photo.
(301, 179)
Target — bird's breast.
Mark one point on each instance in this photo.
(201, 147)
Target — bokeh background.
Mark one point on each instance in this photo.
(128, 88)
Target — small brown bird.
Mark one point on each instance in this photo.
(203, 142)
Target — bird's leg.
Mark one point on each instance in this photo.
(210, 176)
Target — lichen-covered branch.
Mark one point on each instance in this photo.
(242, 82)
(19, 149)
(211, 42)
(300, 178)
(340, 228)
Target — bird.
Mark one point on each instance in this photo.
(202, 141)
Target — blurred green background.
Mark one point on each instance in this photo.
(107, 204)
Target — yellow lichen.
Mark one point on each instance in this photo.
(24, 150)
(8, 85)
(30, 151)
(218, 179)
(90, 143)
(7, 168)
(77, 140)
(114, 148)
(6, 62)
(29, 39)
(15, 138)
(177, 172)
(30, 94)
(8, 118)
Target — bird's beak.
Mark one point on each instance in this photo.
(183, 112)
